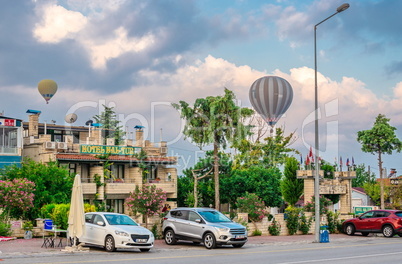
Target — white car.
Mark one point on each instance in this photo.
(116, 231)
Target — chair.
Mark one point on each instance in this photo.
(47, 227)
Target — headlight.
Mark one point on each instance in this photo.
(121, 233)
(223, 229)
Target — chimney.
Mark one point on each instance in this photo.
(33, 127)
(139, 136)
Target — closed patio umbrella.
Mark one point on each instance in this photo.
(76, 219)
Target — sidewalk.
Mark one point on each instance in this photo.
(28, 247)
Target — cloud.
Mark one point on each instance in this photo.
(58, 24)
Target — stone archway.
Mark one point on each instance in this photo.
(342, 184)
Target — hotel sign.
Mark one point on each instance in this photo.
(112, 150)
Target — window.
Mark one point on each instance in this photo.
(368, 215)
(118, 171)
(115, 205)
(98, 218)
(85, 172)
(193, 216)
(72, 168)
(153, 172)
(88, 218)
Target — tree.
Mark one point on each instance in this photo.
(292, 187)
(147, 201)
(16, 197)
(110, 125)
(264, 182)
(362, 176)
(374, 191)
(195, 187)
(272, 152)
(217, 121)
(53, 184)
(381, 139)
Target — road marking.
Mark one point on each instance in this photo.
(344, 258)
(215, 253)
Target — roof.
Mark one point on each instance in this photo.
(89, 157)
(359, 189)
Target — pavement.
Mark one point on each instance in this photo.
(32, 247)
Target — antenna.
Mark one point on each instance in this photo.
(71, 118)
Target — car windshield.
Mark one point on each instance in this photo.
(120, 220)
(214, 216)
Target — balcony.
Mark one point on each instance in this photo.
(167, 186)
(88, 188)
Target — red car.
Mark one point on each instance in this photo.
(387, 222)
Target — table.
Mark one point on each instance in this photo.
(52, 240)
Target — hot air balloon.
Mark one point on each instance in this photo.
(47, 89)
(271, 96)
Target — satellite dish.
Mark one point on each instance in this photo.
(71, 118)
(89, 122)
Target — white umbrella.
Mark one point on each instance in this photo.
(76, 219)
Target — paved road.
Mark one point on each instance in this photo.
(264, 250)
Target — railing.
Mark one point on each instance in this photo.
(5, 150)
(117, 180)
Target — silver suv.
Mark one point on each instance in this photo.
(205, 225)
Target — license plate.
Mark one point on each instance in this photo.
(143, 240)
(240, 237)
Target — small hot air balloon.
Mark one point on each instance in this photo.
(47, 88)
(271, 96)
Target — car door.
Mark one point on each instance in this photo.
(86, 237)
(195, 226)
(181, 222)
(380, 218)
(364, 222)
(99, 230)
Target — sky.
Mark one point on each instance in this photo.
(140, 56)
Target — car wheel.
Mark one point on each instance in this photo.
(388, 231)
(237, 245)
(209, 241)
(144, 249)
(350, 230)
(170, 237)
(109, 244)
(365, 233)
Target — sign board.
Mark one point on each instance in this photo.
(7, 122)
(112, 150)
(358, 210)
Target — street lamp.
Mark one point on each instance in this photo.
(341, 8)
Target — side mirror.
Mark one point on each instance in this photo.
(198, 221)
(101, 223)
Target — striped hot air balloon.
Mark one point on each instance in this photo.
(47, 88)
(271, 96)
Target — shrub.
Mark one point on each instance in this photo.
(334, 224)
(60, 215)
(292, 219)
(256, 233)
(156, 232)
(5, 228)
(324, 203)
(274, 228)
(252, 205)
(305, 224)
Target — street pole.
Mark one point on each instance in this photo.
(341, 8)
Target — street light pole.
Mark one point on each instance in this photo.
(341, 8)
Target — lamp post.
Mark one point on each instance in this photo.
(341, 8)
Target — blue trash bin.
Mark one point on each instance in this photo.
(48, 224)
(324, 234)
